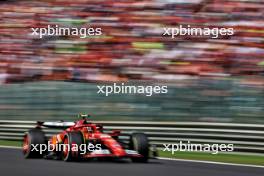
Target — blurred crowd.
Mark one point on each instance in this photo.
(132, 45)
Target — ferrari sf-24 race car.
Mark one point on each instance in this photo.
(84, 133)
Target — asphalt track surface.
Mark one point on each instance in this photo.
(12, 163)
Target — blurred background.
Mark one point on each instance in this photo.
(215, 80)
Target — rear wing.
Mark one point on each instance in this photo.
(55, 124)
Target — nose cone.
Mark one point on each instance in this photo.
(114, 147)
(119, 151)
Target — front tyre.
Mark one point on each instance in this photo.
(139, 142)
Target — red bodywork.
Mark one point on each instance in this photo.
(93, 132)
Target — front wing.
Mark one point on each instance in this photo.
(106, 153)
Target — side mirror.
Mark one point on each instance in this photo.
(116, 132)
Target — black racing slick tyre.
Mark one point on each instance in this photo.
(33, 141)
(139, 142)
(72, 141)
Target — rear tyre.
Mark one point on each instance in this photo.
(32, 142)
(72, 141)
(139, 142)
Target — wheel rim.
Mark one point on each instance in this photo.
(25, 144)
(65, 148)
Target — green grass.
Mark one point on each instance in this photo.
(11, 143)
(221, 157)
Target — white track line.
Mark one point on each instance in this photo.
(12, 147)
(211, 162)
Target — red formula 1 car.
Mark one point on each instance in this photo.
(82, 140)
